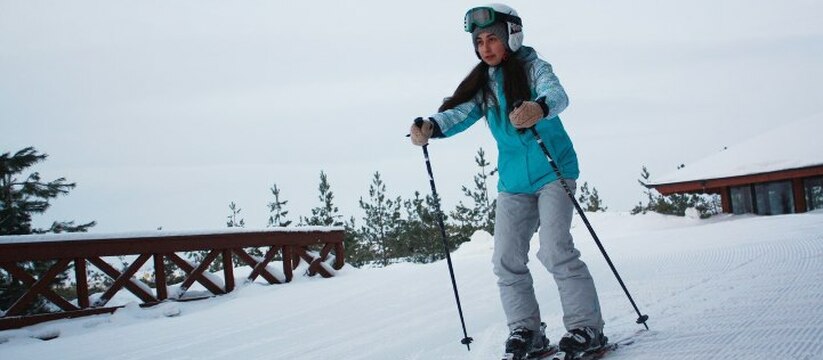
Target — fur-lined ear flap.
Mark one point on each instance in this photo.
(515, 35)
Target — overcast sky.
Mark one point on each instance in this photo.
(164, 112)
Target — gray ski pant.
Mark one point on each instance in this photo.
(517, 218)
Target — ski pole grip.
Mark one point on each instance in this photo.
(417, 122)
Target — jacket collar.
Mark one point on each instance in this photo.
(526, 54)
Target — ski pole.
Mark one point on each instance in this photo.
(641, 318)
(466, 339)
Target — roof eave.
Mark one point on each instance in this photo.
(713, 185)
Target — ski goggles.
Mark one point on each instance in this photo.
(484, 16)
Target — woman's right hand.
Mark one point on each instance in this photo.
(421, 131)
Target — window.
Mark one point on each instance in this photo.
(814, 193)
(774, 198)
(742, 199)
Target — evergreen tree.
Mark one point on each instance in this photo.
(19, 199)
(650, 197)
(354, 252)
(22, 198)
(231, 220)
(277, 210)
(480, 216)
(379, 232)
(326, 214)
(590, 200)
(675, 204)
(420, 237)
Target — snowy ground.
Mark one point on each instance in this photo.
(732, 287)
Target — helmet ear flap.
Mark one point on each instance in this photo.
(515, 36)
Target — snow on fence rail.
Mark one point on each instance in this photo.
(81, 249)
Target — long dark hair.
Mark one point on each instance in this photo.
(515, 84)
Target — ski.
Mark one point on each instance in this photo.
(545, 354)
(592, 355)
(597, 354)
(553, 352)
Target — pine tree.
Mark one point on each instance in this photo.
(420, 235)
(327, 214)
(480, 216)
(351, 245)
(19, 199)
(22, 198)
(590, 200)
(381, 223)
(675, 204)
(644, 179)
(277, 210)
(231, 220)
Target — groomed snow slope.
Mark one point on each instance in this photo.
(732, 287)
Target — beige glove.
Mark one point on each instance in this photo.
(420, 135)
(526, 115)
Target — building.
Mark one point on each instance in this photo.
(777, 172)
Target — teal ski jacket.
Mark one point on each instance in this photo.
(522, 166)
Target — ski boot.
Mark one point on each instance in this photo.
(518, 344)
(583, 340)
(525, 344)
(541, 347)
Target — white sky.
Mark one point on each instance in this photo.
(164, 112)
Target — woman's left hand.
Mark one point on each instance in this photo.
(526, 115)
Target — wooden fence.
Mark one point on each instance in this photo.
(320, 248)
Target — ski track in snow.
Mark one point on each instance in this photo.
(748, 302)
(725, 288)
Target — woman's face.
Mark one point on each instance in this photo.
(491, 48)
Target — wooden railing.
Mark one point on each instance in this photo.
(320, 248)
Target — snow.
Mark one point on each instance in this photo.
(789, 146)
(728, 287)
(13, 239)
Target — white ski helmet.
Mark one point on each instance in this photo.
(483, 16)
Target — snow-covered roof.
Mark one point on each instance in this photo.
(12, 239)
(797, 144)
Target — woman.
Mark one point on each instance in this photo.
(530, 194)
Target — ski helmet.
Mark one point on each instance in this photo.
(485, 16)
